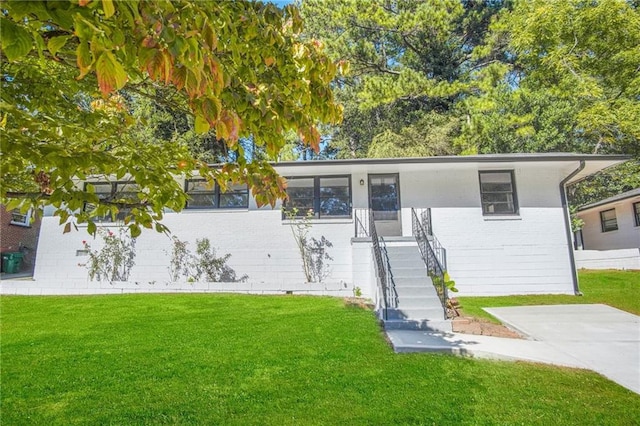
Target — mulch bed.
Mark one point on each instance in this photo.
(478, 326)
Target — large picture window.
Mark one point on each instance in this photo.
(116, 192)
(498, 193)
(636, 213)
(203, 195)
(608, 220)
(325, 196)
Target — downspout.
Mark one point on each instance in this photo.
(567, 225)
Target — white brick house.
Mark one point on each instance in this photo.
(501, 218)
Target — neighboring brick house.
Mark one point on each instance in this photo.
(18, 233)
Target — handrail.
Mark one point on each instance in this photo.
(382, 270)
(435, 268)
(362, 222)
(438, 249)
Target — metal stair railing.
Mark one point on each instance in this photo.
(435, 268)
(362, 220)
(385, 284)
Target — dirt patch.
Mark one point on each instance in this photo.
(478, 326)
(359, 302)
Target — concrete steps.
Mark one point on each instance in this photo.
(419, 307)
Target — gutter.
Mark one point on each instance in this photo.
(567, 225)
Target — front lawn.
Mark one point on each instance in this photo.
(237, 359)
(619, 289)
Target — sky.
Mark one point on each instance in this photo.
(281, 3)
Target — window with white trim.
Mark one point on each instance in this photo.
(20, 219)
(205, 195)
(498, 193)
(608, 220)
(325, 196)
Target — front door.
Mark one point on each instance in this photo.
(384, 201)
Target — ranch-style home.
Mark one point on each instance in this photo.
(610, 235)
(498, 225)
(612, 223)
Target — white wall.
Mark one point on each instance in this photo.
(608, 259)
(261, 244)
(527, 253)
(627, 235)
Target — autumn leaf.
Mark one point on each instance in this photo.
(232, 124)
(179, 76)
(269, 60)
(311, 137)
(159, 65)
(210, 37)
(222, 132)
(111, 75)
(216, 75)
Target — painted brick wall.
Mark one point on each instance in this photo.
(525, 253)
(15, 238)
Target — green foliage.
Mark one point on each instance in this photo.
(357, 292)
(449, 283)
(570, 84)
(410, 63)
(429, 136)
(313, 251)
(74, 74)
(605, 184)
(618, 289)
(114, 260)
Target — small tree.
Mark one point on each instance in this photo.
(203, 265)
(180, 259)
(313, 252)
(113, 262)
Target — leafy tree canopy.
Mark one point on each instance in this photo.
(75, 74)
(571, 83)
(410, 62)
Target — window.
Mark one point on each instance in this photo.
(326, 196)
(636, 213)
(608, 220)
(123, 192)
(498, 193)
(20, 219)
(203, 195)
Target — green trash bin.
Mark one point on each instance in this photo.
(11, 262)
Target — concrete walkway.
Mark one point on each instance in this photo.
(595, 337)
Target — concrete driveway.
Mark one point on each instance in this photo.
(601, 338)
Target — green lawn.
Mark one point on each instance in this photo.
(237, 359)
(620, 289)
